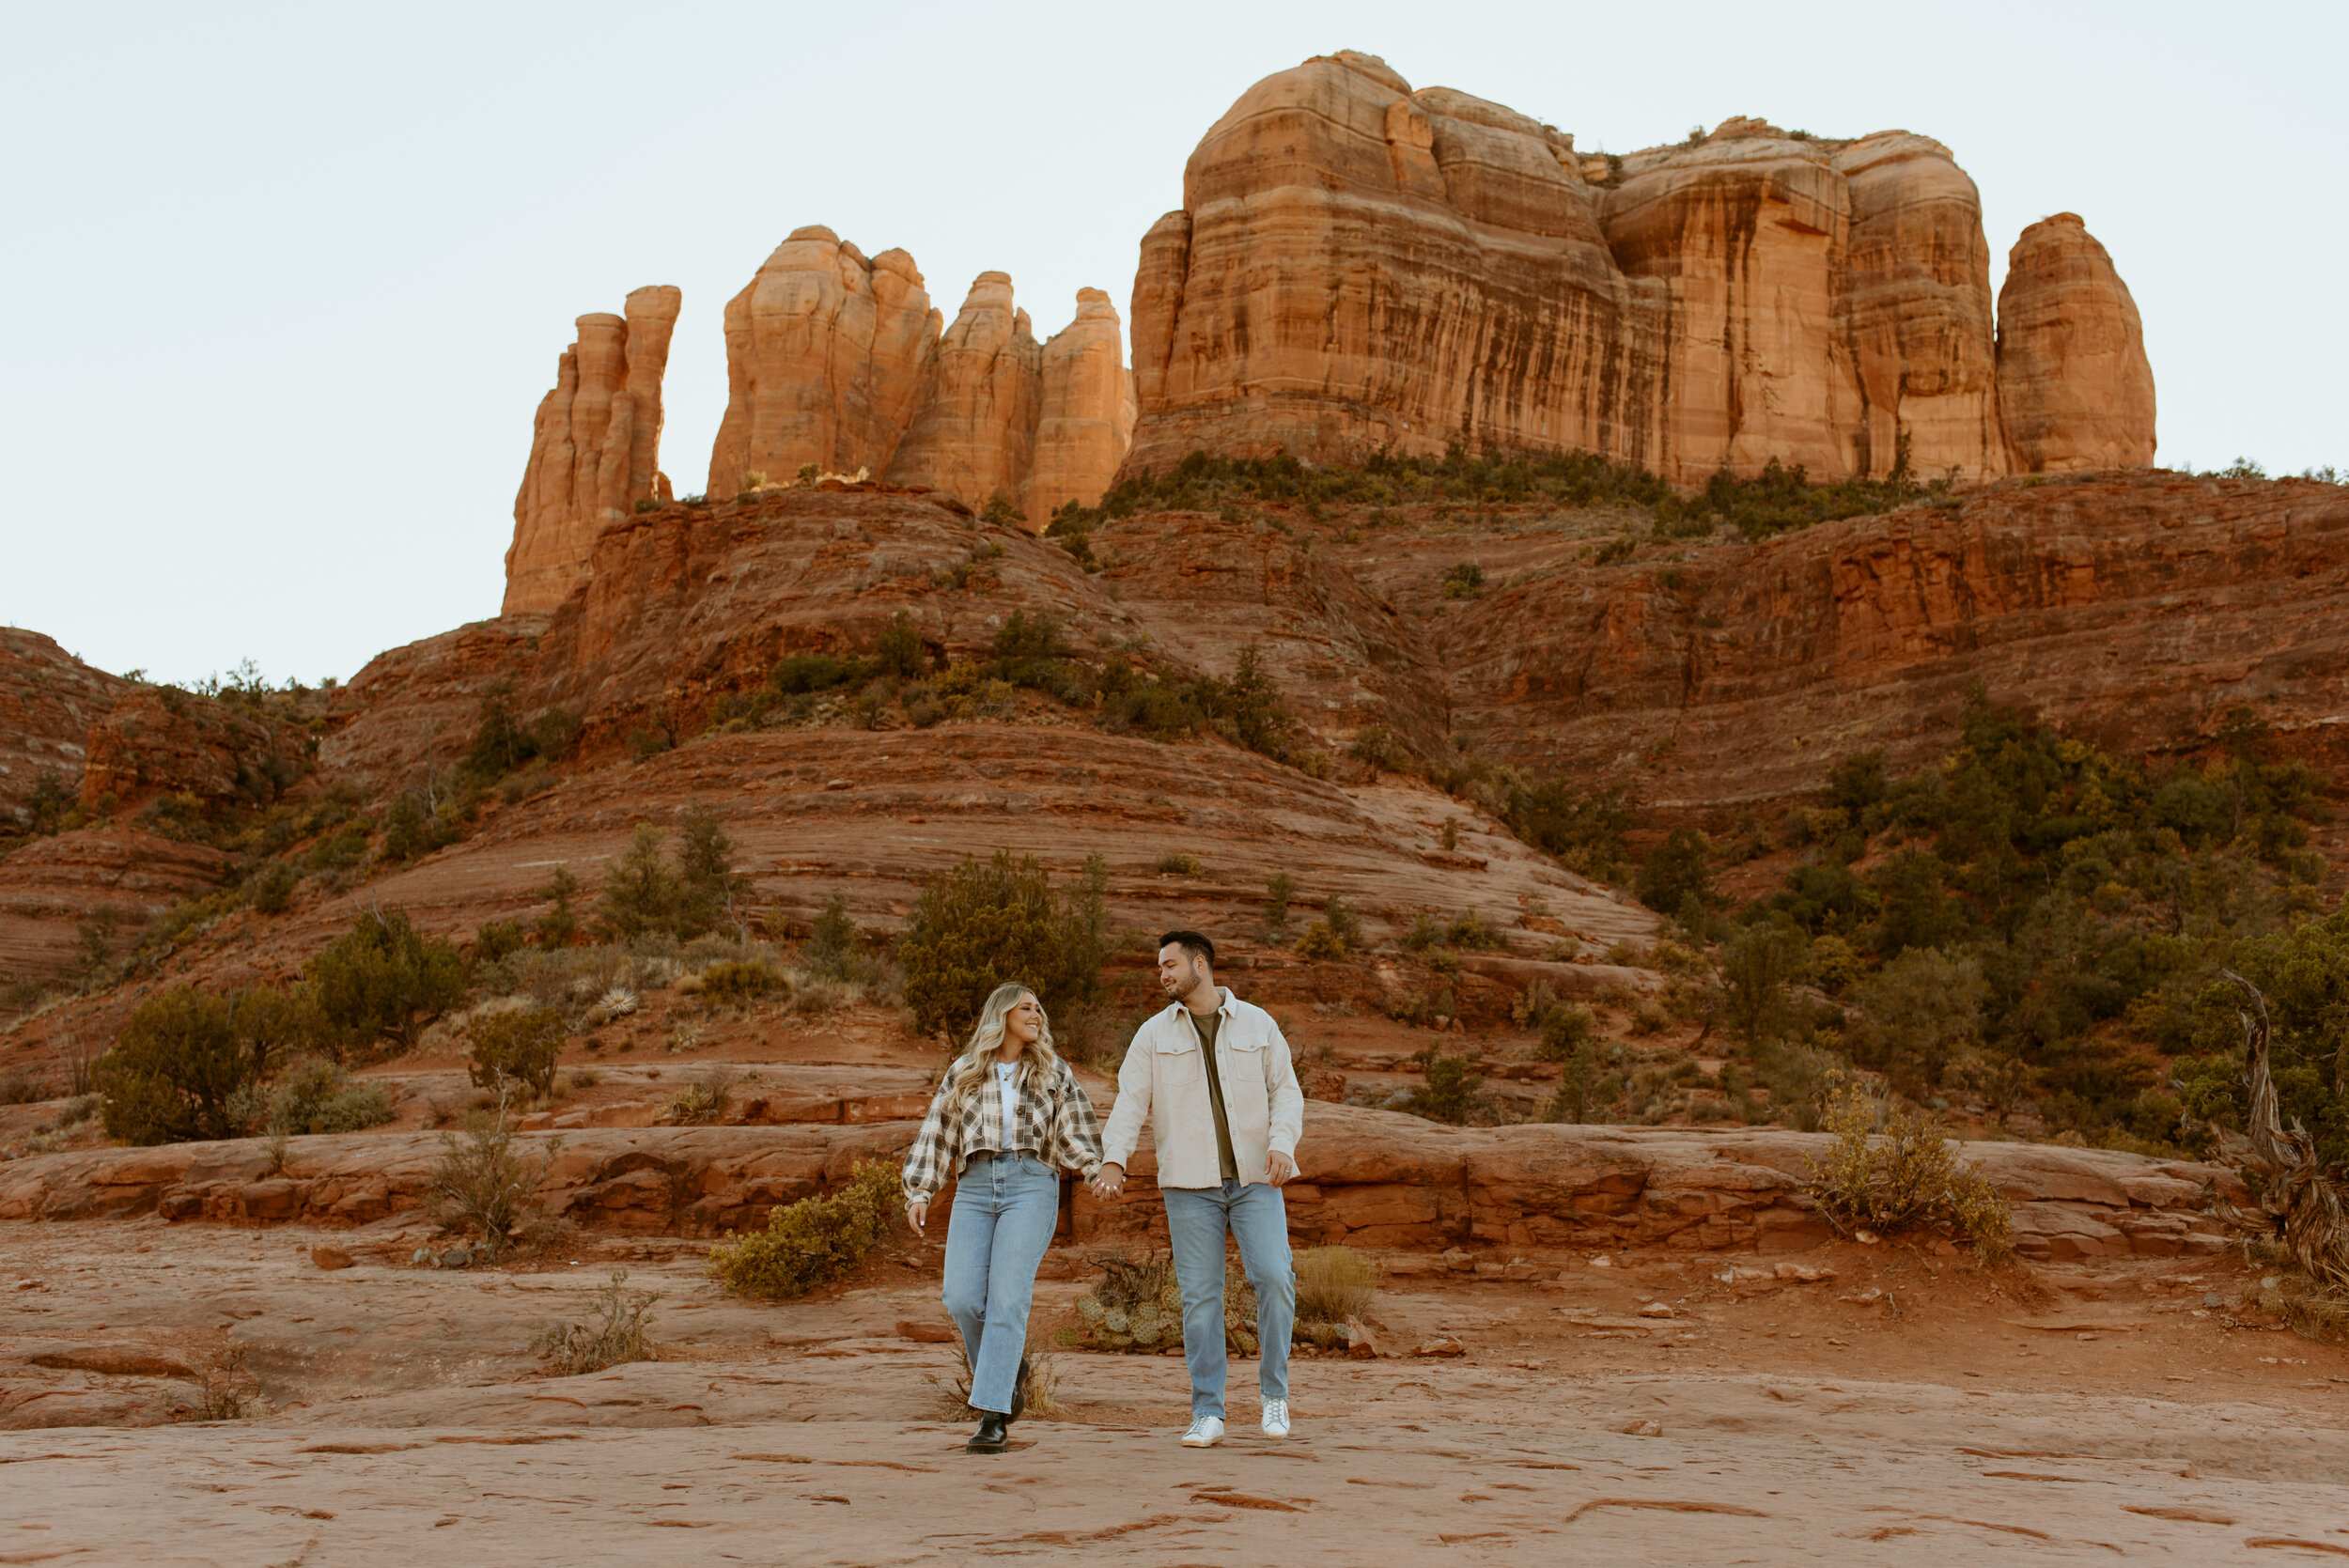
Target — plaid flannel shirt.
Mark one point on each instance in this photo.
(1056, 1126)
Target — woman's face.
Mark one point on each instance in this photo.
(1025, 1021)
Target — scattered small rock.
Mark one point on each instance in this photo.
(1360, 1345)
(1602, 1261)
(327, 1256)
(31, 1284)
(1867, 1298)
(1804, 1273)
(1866, 1239)
(1443, 1345)
(1639, 1426)
(1656, 1309)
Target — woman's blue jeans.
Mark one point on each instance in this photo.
(1006, 1209)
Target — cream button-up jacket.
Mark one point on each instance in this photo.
(1164, 1081)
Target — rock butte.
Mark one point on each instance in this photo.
(1358, 266)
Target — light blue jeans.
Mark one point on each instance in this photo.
(1258, 1219)
(1006, 1209)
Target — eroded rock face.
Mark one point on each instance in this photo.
(975, 436)
(2074, 389)
(1357, 265)
(48, 701)
(828, 358)
(1085, 413)
(595, 448)
(841, 361)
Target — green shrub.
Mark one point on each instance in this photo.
(1566, 1028)
(639, 892)
(381, 983)
(184, 1059)
(496, 940)
(835, 949)
(815, 1240)
(1676, 870)
(1910, 1180)
(899, 651)
(1450, 1093)
(986, 923)
(1178, 862)
(559, 923)
(1381, 747)
(803, 673)
(1578, 1083)
(1319, 941)
(1758, 967)
(271, 888)
(1279, 890)
(1917, 1014)
(739, 982)
(1464, 579)
(1343, 923)
(316, 1096)
(519, 1046)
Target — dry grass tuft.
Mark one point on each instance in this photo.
(1042, 1387)
(618, 1329)
(1333, 1284)
(1891, 1170)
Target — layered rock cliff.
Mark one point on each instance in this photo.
(48, 701)
(1358, 264)
(841, 361)
(2074, 386)
(595, 447)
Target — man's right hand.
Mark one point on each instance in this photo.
(1110, 1180)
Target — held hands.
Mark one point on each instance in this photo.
(918, 1212)
(1279, 1169)
(1110, 1181)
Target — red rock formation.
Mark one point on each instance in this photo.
(2074, 389)
(975, 436)
(1085, 417)
(839, 362)
(595, 448)
(48, 701)
(160, 740)
(1357, 265)
(109, 880)
(828, 358)
(2132, 611)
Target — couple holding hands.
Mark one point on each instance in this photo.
(1212, 1075)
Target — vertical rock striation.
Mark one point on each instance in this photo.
(595, 447)
(2074, 390)
(975, 436)
(1358, 264)
(1085, 410)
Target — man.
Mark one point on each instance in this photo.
(1212, 1075)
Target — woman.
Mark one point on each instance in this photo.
(1008, 1112)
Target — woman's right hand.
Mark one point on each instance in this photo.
(919, 1213)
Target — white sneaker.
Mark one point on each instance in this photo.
(1206, 1432)
(1276, 1417)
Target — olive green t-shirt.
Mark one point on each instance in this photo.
(1207, 1024)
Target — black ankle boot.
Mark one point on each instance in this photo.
(993, 1435)
(1019, 1393)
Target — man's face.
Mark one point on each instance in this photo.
(1178, 971)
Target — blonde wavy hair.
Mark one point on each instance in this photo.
(1038, 1063)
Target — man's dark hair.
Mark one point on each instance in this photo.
(1193, 943)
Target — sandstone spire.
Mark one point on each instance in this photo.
(976, 434)
(595, 447)
(2073, 385)
(828, 360)
(1086, 413)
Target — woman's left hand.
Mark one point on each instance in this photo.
(918, 1214)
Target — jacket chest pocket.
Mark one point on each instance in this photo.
(1243, 1064)
(1181, 1065)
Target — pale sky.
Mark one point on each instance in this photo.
(291, 279)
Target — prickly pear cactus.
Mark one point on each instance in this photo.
(1138, 1307)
